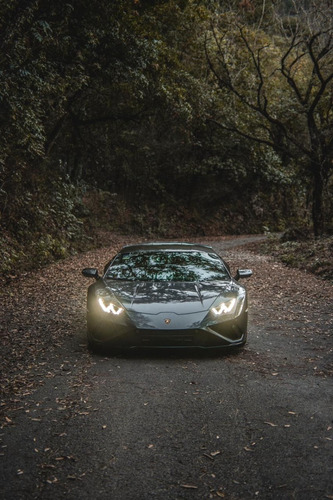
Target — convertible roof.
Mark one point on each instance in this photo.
(146, 247)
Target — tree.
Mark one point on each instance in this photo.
(281, 82)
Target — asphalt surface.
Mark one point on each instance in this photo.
(255, 423)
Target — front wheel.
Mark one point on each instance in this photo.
(92, 345)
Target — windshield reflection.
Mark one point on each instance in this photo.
(167, 266)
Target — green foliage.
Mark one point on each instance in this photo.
(43, 226)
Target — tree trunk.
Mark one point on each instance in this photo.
(317, 202)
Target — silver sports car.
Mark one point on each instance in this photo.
(166, 295)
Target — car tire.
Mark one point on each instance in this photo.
(92, 346)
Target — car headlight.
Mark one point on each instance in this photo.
(225, 307)
(110, 307)
(229, 307)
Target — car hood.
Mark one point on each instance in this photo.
(179, 297)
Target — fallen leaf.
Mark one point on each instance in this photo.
(214, 453)
(51, 481)
(271, 424)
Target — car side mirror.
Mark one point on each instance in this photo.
(90, 272)
(243, 273)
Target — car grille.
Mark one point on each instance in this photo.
(171, 338)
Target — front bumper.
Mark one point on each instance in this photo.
(125, 335)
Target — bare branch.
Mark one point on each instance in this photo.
(257, 64)
(315, 59)
(241, 133)
(286, 70)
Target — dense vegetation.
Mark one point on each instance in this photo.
(164, 118)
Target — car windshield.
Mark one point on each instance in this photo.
(167, 266)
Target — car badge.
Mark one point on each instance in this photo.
(167, 321)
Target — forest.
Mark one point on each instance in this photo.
(163, 119)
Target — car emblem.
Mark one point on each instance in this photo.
(167, 321)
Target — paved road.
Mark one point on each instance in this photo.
(181, 425)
